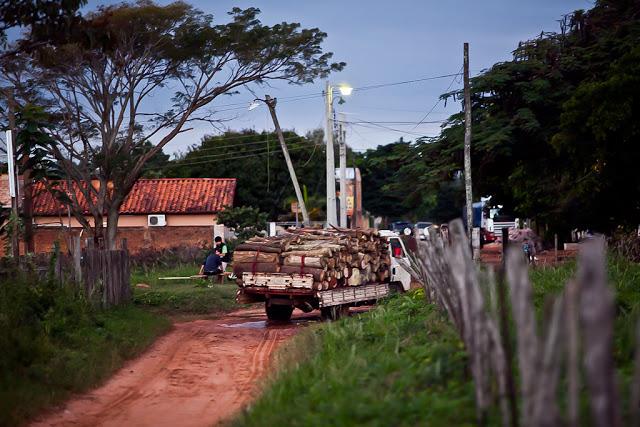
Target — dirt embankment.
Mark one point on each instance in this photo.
(199, 374)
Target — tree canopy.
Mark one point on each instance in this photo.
(97, 84)
(555, 130)
(256, 160)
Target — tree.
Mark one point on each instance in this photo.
(555, 128)
(32, 160)
(245, 221)
(379, 168)
(256, 161)
(48, 21)
(100, 83)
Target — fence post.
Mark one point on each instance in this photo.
(77, 256)
(505, 244)
(555, 246)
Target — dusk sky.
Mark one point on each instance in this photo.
(385, 42)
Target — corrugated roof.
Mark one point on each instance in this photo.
(152, 196)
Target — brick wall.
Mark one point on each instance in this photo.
(137, 237)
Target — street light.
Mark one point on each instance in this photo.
(332, 216)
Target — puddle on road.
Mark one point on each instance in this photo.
(263, 324)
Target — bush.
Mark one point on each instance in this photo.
(626, 244)
(54, 342)
(147, 259)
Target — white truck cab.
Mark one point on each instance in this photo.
(397, 252)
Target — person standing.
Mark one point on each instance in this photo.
(222, 250)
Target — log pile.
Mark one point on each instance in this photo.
(333, 258)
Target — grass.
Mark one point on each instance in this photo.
(182, 298)
(401, 364)
(55, 344)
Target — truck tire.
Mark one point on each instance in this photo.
(278, 312)
(335, 312)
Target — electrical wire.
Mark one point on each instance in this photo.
(253, 150)
(228, 158)
(439, 99)
(361, 88)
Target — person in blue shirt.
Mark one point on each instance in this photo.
(212, 264)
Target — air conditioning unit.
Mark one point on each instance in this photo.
(156, 220)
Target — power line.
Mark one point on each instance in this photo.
(405, 132)
(392, 122)
(229, 158)
(301, 144)
(242, 144)
(438, 101)
(361, 88)
(406, 82)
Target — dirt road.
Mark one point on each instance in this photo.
(197, 375)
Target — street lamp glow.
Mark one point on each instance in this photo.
(345, 90)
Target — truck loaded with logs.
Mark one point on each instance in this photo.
(329, 270)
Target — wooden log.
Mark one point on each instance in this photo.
(318, 273)
(306, 261)
(258, 247)
(257, 267)
(320, 252)
(249, 256)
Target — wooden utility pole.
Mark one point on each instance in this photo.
(467, 143)
(271, 103)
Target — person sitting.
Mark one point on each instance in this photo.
(212, 265)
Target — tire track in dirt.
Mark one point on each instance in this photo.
(199, 374)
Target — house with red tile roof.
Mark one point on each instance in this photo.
(157, 213)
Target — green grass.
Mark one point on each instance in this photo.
(401, 364)
(184, 297)
(624, 278)
(55, 344)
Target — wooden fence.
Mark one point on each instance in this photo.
(575, 346)
(105, 276)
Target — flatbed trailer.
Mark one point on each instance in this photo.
(332, 303)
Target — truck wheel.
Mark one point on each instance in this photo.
(278, 312)
(335, 312)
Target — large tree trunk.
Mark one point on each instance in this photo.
(112, 227)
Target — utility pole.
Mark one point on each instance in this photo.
(467, 144)
(271, 103)
(343, 174)
(15, 248)
(332, 219)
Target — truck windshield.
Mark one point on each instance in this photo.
(396, 248)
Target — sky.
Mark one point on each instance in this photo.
(383, 42)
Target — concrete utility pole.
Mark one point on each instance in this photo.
(467, 143)
(331, 163)
(343, 174)
(271, 103)
(15, 242)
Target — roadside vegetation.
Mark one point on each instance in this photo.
(403, 363)
(54, 343)
(400, 364)
(181, 297)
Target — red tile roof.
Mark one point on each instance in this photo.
(150, 196)
(5, 198)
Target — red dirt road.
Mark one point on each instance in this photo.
(199, 374)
